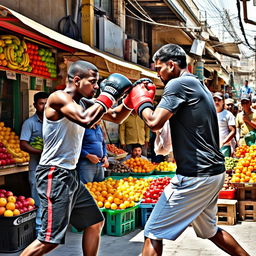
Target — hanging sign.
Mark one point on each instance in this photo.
(25, 79)
(39, 81)
(11, 75)
(48, 83)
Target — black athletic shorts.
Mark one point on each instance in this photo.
(64, 199)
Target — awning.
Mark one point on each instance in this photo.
(229, 49)
(53, 38)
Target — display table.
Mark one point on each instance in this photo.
(12, 170)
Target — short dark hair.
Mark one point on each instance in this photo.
(137, 145)
(171, 52)
(40, 95)
(80, 68)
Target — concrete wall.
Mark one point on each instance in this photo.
(46, 12)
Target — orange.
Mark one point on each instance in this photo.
(8, 213)
(10, 206)
(3, 201)
(122, 206)
(16, 212)
(100, 204)
(113, 206)
(2, 210)
(107, 205)
(11, 199)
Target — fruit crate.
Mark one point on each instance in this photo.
(17, 232)
(245, 191)
(227, 194)
(145, 211)
(247, 210)
(227, 212)
(141, 173)
(120, 222)
(163, 172)
(123, 174)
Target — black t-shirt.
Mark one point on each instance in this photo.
(194, 127)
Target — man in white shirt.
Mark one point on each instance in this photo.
(227, 125)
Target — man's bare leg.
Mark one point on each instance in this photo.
(152, 247)
(227, 243)
(38, 248)
(91, 239)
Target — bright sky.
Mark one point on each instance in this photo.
(215, 15)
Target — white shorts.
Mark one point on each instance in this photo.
(185, 201)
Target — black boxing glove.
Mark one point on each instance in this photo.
(112, 89)
(86, 103)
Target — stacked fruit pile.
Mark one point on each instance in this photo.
(11, 141)
(114, 150)
(166, 167)
(230, 163)
(155, 190)
(241, 151)
(42, 61)
(11, 205)
(140, 165)
(118, 194)
(246, 167)
(5, 157)
(117, 167)
(14, 53)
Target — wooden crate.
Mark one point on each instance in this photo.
(227, 210)
(245, 191)
(247, 210)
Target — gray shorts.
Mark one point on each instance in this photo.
(185, 201)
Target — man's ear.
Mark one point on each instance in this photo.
(171, 65)
(76, 80)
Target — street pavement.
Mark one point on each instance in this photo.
(186, 245)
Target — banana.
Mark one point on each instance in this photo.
(23, 60)
(27, 59)
(11, 151)
(11, 66)
(5, 37)
(24, 45)
(15, 39)
(10, 56)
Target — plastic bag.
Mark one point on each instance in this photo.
(250, 138)
(163, 141)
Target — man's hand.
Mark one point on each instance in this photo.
(93, 158)
(141, 95)
(112, 89)
(105, 162)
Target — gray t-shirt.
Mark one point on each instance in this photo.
(194, 127)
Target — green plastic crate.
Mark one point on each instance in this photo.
(120, 222)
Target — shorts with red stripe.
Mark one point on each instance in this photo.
(64, 200)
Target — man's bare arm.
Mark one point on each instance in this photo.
(157, 118)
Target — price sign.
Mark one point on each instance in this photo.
(48, 83)
(39, 81)
(25, 79)
(11, 75)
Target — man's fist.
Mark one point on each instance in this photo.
(141, 95)
(112, 89)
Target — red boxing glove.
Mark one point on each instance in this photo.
(141, 96)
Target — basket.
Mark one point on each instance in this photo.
(17, 232)
(120, 222)
(145, 211)
(121, 156)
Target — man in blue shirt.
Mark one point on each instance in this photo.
(245, 89)
(32, 128)
(93, 159)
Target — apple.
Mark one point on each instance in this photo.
(30, 207)
(2, 191)
(2, 195)
(20, 198)
(8, 193)
(25, 203)
(31, 201)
